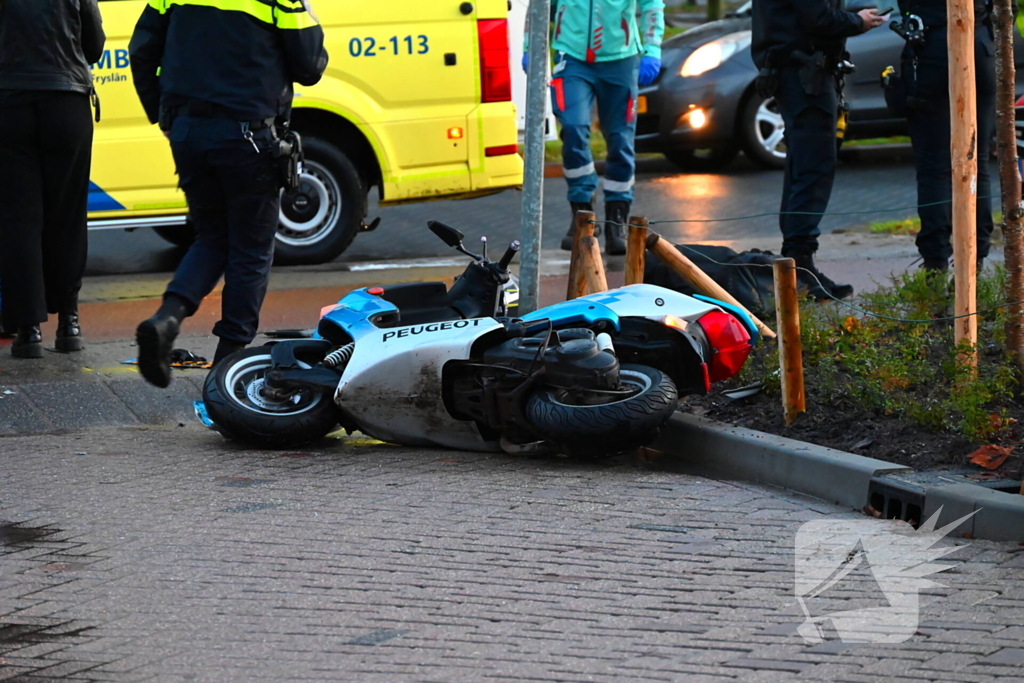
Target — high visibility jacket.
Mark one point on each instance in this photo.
(606, 30)
(243, 55)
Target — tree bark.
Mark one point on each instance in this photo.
(964, 156)
(1009, 177)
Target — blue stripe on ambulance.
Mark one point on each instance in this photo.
(101, 201)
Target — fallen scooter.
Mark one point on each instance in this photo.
(421, 364)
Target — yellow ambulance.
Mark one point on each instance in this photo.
(416, 101)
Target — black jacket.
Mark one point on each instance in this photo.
(782, 26)
(49, 44)
(244, 60)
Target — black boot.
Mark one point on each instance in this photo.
(28, 343)
(616, 216)
(225, 348)
(155, 338)
(824, 288)
(69, 331)
(935, 265)
(576, 206)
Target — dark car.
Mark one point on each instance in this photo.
(703, 110)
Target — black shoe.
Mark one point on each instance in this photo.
(577, 206)
(616, 216)
(225, 348)
(936, 265)
(28, 343)
(155, 338)
(69, 331)
(824, 287)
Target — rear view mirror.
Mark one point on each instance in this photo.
(448, 234)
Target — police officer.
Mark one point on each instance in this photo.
(925, 71)
(217, 75)
(798, 46)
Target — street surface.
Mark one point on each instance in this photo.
(876, 180)
(166, 554)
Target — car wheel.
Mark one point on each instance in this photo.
(762, 132)
(701, 160)
(320, 220)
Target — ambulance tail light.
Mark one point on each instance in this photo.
(495, 69)
(730, 344)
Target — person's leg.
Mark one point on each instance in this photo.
(252, 193)
(986, 89)
(616, 91)
(203, 265)
(65, 141)
(810, 171)
(21, 228)
(810, 159)
(572, 96)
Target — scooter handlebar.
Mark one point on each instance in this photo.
(510, 254)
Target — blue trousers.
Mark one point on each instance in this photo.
(575, 86)
(234, 198)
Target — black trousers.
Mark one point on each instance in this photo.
(45, 154)
(235, 199)
(810, 157)
(930, 137)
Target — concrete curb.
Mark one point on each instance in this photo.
(701, 446)
(696, 445)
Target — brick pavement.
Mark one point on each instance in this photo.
(166, 554)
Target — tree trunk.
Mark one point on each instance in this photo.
(1009, 177)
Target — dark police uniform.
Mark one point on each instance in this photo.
(217, 75)
(797, 45)
(928, 117)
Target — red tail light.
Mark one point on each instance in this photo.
(495, 70)
(730, 344)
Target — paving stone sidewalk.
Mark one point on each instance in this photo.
(167, 554)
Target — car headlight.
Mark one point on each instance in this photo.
(711, 55)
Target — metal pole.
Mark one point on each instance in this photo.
(533, 179)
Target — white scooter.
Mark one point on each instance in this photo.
(420, 364)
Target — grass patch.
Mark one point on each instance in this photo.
(553, 148)
(906, 371)
(911, 226)
(868, 142)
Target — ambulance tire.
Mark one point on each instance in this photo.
(320, 220)
(178, 235)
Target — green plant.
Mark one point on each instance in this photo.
(900, 369)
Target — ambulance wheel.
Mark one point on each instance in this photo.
(242, 409)
(586, 425)
(320, 220)
(178, 235)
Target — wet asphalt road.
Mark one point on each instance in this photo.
(875, 180)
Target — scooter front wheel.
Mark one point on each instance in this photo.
(587, 426)
(243, 409)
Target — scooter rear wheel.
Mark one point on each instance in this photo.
(237, 401)
(618, 424)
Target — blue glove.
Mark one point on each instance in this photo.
(526, 60)
(650, 67)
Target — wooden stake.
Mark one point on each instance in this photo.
(583, 226)
(1009, 179)
(791, 360)
(964, 136)
(592, 265)
(687, 269)
(636, 250)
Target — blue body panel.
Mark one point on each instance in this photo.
(576, 311)
(353, 313)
